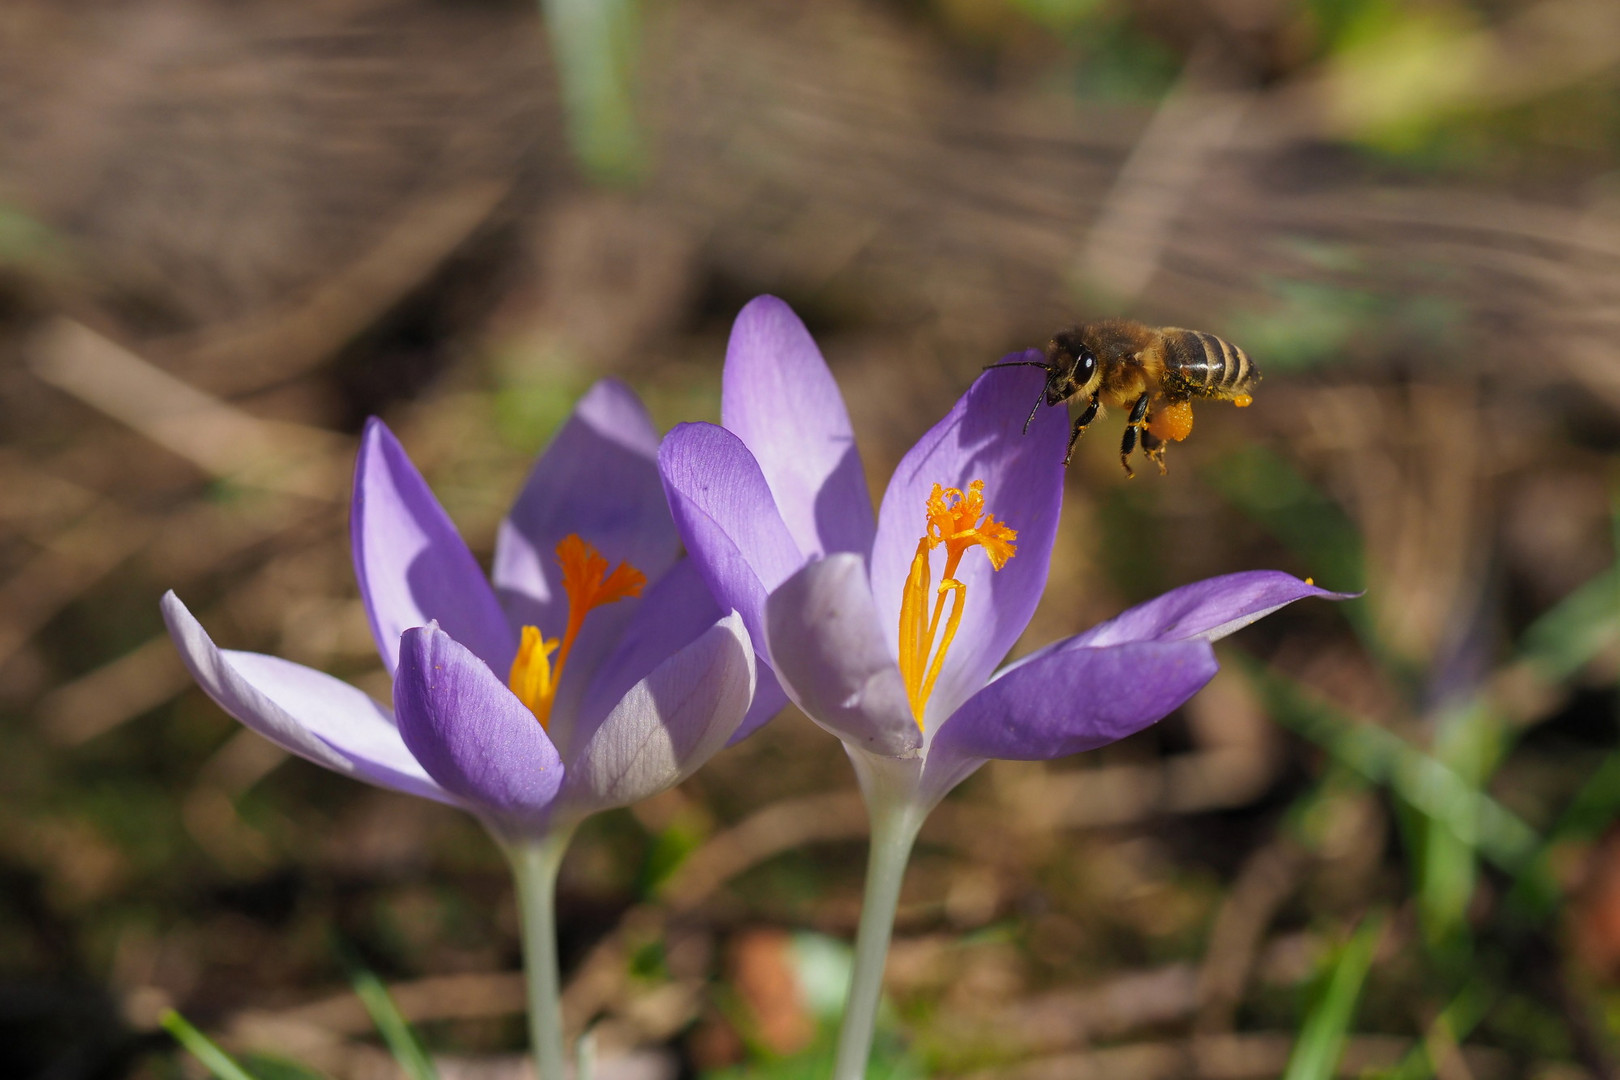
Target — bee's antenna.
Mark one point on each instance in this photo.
(1020, 363)
(1033, 411)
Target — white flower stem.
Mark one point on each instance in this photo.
(534, 866)
(895, 822)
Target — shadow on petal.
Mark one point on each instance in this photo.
(412, 564)
(780, 398)
(1075, 700)
(598, 478)
(668, 724)
(471, 733)
(834, 657)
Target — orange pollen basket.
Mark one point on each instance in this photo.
(957, 521)
(588, 585)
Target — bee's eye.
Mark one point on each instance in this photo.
(1088, 363)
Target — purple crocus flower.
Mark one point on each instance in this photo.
(774, 511)
(569, 686)
(888, 633)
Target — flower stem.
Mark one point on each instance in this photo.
(894, 829)
(534, 866)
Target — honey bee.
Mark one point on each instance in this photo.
(1154, 371)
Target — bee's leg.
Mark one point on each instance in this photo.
(1153, 447)
(1128, 442)
(1126, 445)
(1080, 423)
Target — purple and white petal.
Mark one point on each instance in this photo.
(668, 724)
(599, 479)
(834, 659)
(413, 566)
(724, 511)
(1074, 700)
(674, 612)
(769, 699)
(1208, 609)
(780, 399)
(979, 439)
(471, 733)
(301, 710)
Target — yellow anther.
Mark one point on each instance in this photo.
(531, 678)
(954, 520)
(957, 521)
(587, 584)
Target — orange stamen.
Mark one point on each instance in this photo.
(959, 522)
(588, 585)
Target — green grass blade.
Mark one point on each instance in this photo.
(269, 1067)
(585, 1057)
(1576, 629)
(1556, 646)
(595, 43)
(1421, 781)
(395, 1030)
(1457, 1021)
(1321, 1040)
(1535, 894)
(1446, 880)
(1469, 741)
(202, 1047)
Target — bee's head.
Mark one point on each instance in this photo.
(1071, 367)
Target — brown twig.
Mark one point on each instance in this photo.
(1266, 880)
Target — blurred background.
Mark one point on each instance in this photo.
(230, 231)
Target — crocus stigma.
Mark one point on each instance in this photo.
(587, 584)
(958, 522)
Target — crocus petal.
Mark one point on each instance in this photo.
(1074, 700)
(1208, 609)
(769, 699)
(301, 710)
(725, 513)
(833, 657)
(781, 400)
(668, 724)
(471, 733)
(979, 439)
(674, 611)
(413, 566)
(598, 478)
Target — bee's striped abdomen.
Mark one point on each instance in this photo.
(1207, 366)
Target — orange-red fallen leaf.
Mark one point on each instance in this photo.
(762, 971)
